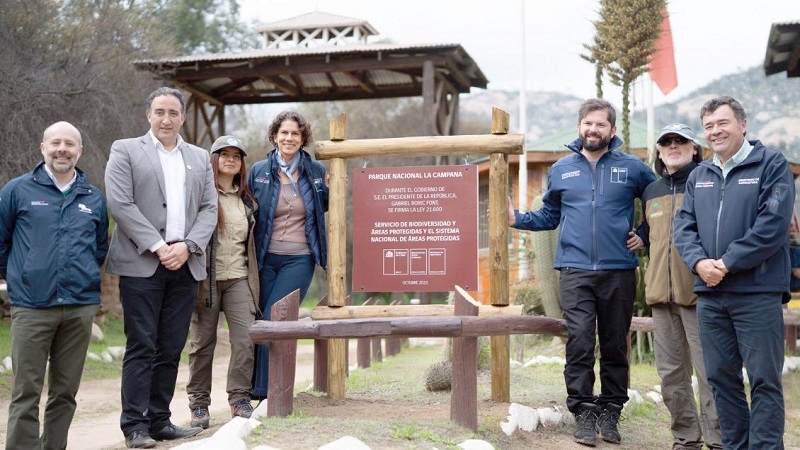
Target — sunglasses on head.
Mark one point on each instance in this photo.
(679, 140)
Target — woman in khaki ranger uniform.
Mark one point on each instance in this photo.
(669, 291)
(231, 287)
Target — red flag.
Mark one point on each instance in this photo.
(662, 67)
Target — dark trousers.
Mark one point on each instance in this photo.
(745, 329)
(157, 311)
(60, 335)
(280, 275)
(598, 302)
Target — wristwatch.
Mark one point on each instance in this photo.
(193, 248)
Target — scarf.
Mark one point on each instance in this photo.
(289, 168)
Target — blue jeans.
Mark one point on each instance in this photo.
(279, 276)
(737, 329)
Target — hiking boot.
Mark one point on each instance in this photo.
(585, 424)
(242, 408)
(607, 423)
(200, 417)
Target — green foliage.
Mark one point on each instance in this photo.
(204, 26)
(624, 44)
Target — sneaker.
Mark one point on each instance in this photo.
(242, 408)
(200, 417)
(586, 424)
(607, 423)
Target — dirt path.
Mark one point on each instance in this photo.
(96, 421)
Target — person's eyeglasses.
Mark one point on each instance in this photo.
(679, 140)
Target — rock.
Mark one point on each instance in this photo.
(345, 443)
(116, 352)
(655, 397)
(527, 418)
(549, 417)
(475, 444)
(93, 356)
(7, 363)
(97, 333)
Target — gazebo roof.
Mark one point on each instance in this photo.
(783, 49)
(315, 20)
(304, 74)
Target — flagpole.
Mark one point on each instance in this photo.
(651, 120)
(522, 177)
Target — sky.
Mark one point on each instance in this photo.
(712, 38)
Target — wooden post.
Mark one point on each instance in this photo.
(321, 358)
(363, 345)
(464, 392)
(498, 257)
(282, 359)
(377, 349)
(337, 258)
(393, 344)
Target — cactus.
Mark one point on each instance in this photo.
(545, 244)
(439, 376)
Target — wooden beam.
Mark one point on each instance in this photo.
(421, 146)
(275, 66)
(371, 311)
(265, 331)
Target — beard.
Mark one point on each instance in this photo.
(602, 142)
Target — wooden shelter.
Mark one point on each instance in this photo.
(783, 49)
(319, 57)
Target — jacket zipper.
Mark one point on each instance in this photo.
(669, 243)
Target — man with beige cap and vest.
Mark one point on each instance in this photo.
(231, 287)
(669, 288)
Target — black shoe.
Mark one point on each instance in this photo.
(139, 439)
(242, 408)
(607, 423)
(586, 424)
(171, 432)
(200, 417)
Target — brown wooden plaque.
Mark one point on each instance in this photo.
(415, 229)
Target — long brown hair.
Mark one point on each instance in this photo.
(240, 179)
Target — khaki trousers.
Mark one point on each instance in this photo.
(677, 351)
(236, 301)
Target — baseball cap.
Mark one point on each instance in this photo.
(228, 141)
(679, 129)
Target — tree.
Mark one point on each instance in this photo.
(71, 60)
(624, 44)
(203, 26)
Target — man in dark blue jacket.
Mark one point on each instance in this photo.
(733, 232)
(590, 196)
(53, 241)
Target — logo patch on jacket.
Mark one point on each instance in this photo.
(84, 209)
(749, 181)
(619, 175)
(704, 184)
(39, 203)
(574, 173)
(262, 179)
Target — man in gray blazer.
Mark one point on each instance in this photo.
(161, 194)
